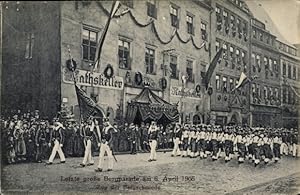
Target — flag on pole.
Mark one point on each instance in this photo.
(87, 106)
(243, 80)
(116, 5)
(212, 67)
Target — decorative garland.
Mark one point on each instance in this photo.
(151, 22)
(108, 71)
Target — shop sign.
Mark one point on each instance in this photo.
(186, 93)
(95, 79)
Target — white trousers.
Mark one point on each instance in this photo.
(153, 144)
(88, 153)
(284, 149)
(176, 150)
(105, 148)
(57, 148)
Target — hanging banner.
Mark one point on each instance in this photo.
(186, 93)
(95, 79)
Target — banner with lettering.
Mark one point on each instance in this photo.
(186, 93)
(95, 79)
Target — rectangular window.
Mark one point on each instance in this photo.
(254, 33)
(124, 54)
(283, 69)
(190, 24)
(261, 37)
(89, 44)
(294, 72)
(203, 27)
(237, 52)
(270, 64)
(265, 92)
(150, 61)
(151, 9)
(275, 65)
(218, 82)
(253, 90)
(258, 60)
(231, 84)
(174, 16)
(276, 94)
(266, 63)
(289, 71)
(189, 70)
(218, 10)
(224, 84)
(29, 45)
(225, 53)
(173, 67)
(284, 95)
(231, 50)
(258, 90)
(253, 59)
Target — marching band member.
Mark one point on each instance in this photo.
(277, 141)
(214, 143)
(56, 138)
(192, 142)
(220, 143)
(89, 135)
(153, 136)
(266, 141)
(176, 140)
(240, 140)
(106, 146)
(185, 140)
(202, 142)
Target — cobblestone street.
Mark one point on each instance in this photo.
(195, 176)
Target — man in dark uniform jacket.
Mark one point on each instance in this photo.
(132, 138)
(89, 135)
(41, 142)
(56, 138)
(176, 140)
(106, 145)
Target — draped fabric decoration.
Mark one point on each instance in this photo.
(154, 28)
(151, 107)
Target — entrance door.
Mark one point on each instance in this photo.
(196, 119)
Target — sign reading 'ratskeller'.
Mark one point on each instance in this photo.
(186, 93)
(95, 79)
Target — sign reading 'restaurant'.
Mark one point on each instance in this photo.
(186, 93)
(95, 79)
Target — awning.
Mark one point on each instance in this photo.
(151, 107)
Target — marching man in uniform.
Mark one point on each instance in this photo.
(176, 140)
(57, 139)
(89, 134)
(106, 146)
(153, 135)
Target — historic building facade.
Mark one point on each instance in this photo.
(290, 64)
(157, 43)
(230, 24)
(265, 70)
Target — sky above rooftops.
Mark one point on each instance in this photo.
(285, 14)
